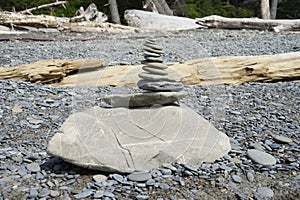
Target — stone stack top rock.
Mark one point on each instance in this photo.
(155, 77)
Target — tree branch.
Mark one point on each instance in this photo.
(43, 6)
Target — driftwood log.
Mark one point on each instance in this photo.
(46, 71)
(153, 21)
(276, 25)
(10, 19)
(206, 71)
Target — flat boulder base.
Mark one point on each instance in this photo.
(125, 140)
(143, 99)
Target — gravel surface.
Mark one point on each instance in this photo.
(259, 116)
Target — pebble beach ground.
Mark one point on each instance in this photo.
(256, 116)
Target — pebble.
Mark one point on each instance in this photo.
(118, 177)
(139, 176)
(250, 176)
(33, 193)
(282, 139)
(99, 178)
(142, 197)
(265, 192)
(83, 194)
(237, 178)
(33, 167)
(261, 157)
(164, 186)
(44, 192)
(54, 193)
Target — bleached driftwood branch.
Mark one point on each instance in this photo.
(215, 21)
(90, 14)
(43, 6)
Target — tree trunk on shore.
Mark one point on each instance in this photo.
(114, 12)
(265, 9)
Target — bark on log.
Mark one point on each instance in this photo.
(154, 21)
(206, 71)
(43, 6)
(216, 21)
(48, 70)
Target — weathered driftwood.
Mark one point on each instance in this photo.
(61, 23)
(90, 14)
(38, 21)
(206, 71)
(48, 70)
(154, 21)
(43, 6)
(216, 21)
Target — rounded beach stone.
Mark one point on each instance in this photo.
(155, 65)
(150, 54)
(155, 71)
(282, 139)
(152, 46)
(154, 59)
(261, 157)
(139, 176)
(154, 50)
(154, 77)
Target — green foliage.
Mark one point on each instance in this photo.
(190, 8)
(202, 8)
(288, 9)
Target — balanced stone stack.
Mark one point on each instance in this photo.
(160, 88)
(155, 77)
(135, 135)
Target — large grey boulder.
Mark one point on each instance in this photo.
(124, 140)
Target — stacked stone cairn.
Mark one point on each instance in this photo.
(159, 87)
(155, 78)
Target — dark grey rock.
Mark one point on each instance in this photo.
(139, 176)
